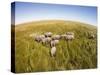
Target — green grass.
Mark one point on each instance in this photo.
(80, 53)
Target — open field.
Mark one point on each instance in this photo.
(80, 53)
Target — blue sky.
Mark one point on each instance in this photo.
(25, 12)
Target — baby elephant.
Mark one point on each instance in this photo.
(53, 51)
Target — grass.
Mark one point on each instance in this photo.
(30, 56)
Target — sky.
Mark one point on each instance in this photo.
(26, 12)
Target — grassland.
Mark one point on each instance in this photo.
(30, 56)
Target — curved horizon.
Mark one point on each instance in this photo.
(52, 20)
(27, 11)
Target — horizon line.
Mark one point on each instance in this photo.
(52, 20)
